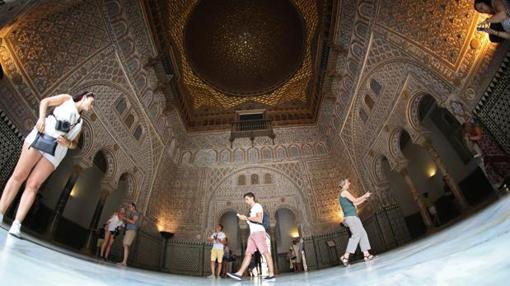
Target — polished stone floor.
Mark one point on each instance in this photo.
(473, 252)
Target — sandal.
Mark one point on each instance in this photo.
(369, 257)
(344, 260)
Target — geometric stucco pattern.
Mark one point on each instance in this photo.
(409, 48)
(205, 176)
(201, 102)
(446, 20)
(35, 41)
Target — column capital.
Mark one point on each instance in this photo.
(106, 188)
(399, 165)
(422, 139)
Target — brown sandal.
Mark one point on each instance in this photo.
(369, 257)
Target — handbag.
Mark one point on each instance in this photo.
(45, 143)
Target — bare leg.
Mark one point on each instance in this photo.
(39, 174)
(126, 254)
(218, 271)
(212, 267)
(109, 247)
(224, 269)
(269, 261)
(26, 162)
(106, 240)
(244, 265)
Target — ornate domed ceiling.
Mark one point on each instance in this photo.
(229, 55)
(244, 47)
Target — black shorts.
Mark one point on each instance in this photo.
(115, 233)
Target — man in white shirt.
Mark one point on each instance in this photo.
(256, 240)
(218, 241)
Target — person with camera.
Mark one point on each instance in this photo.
(43, 150)
(348, 202)
(499, 22)
(218, 241)
(113, 227)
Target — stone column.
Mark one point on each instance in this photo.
(417, 198)
(64, 197)
(449, 180)
(105, 192)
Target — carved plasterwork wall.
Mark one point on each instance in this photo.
(205, 181)
(410, 49)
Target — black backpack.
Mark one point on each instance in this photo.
(266, 223)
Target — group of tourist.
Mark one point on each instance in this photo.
(259, 241)
(121, 221)
(42, 152)
(46, 146)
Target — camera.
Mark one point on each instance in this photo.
(62, 125)
(482, 26)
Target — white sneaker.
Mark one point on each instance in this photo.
(211, 277)
(15, 229)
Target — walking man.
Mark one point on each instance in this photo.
(256, 240)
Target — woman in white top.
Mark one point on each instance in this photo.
(35, 166)
(112, 229)
(499, 11)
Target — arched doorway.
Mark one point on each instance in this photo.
(427, 182)
(115, 199)
(277, 189)
(73, 228)
(231, 228)
(446, 137)
(286, 231)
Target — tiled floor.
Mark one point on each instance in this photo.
(474, 252)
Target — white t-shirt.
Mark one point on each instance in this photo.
(297, 252)
(254, 227)
(217, 242)
(114, 222)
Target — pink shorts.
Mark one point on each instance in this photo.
(257, 240)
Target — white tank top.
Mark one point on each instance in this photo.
(114, 222)
(66, 111)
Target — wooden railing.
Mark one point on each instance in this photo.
(251, 129)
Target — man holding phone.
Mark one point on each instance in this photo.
(256, 240)
(218, 241)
